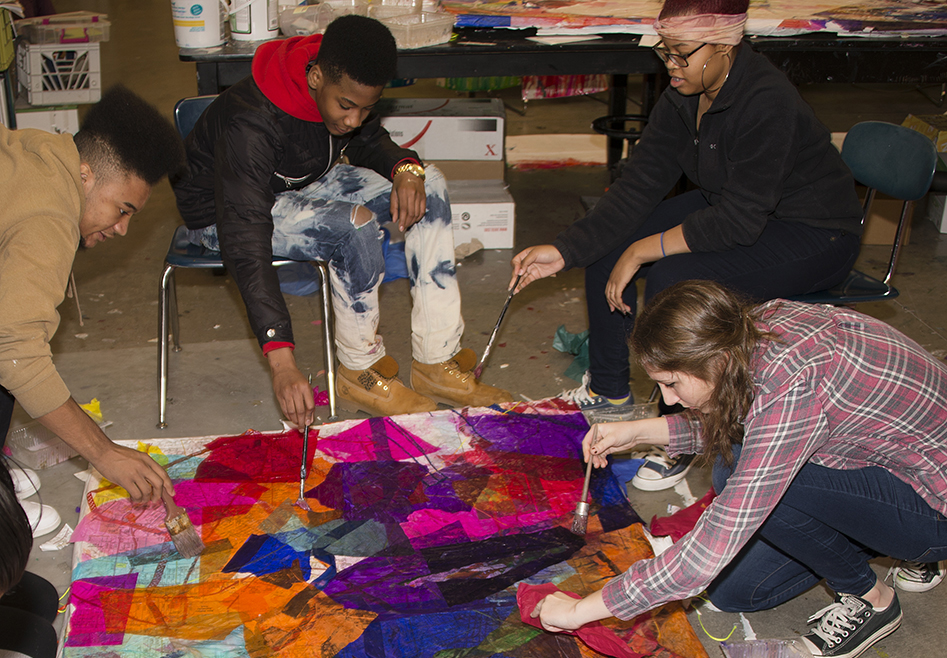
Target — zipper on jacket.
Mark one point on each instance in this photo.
(290, 182)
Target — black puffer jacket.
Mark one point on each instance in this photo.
(760, 155)
(242, 152)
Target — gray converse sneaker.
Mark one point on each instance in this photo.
(587, 403)
(850, 626)
(919, 576)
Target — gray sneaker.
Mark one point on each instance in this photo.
(919, 576)
(591, 404)
(850, 626)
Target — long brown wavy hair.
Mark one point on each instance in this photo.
(702, 329)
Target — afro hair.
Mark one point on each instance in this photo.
(359, 47)
(123, 134)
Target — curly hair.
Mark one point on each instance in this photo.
(359, 47)
(704, 330)
(123, 134)
(16, 532)
(674, 8)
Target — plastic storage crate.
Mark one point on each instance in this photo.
(419, 30)
(68, 28)
(36, 447)
(59, 74)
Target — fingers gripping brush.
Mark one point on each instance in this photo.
(182, 531)
(486, 351)
(580, 521)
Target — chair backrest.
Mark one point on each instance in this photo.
(188, 110)
(892, 159)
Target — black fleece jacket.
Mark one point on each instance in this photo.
(760, 155)
(242, 152)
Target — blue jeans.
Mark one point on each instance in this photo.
(788, 259)
(828, 525)
(318, 223)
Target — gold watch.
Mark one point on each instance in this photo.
(411, 168)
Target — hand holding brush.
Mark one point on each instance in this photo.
(182, 531)
(486, 351)
(580, 521)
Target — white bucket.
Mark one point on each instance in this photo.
(198, 23)
(254, 20)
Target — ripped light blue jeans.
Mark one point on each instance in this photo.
(318, 223)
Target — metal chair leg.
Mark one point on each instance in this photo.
(328, 337)
(164, 299)
(175, 316)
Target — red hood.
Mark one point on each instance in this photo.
(279, 70)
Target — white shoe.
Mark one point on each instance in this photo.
(919, 576)
(659, 471)
(25, 481)
(43, 518)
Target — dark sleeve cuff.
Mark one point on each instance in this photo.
(275, 345)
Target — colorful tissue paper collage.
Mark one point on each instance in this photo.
(421, 527)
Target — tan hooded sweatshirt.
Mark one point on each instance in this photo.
(41, 201)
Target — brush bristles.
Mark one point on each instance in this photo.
(580, 524)
(184, 536)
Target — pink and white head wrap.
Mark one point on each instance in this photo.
(725, 29)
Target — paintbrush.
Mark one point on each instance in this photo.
(486, 351)
(580, 521)
(182, 531)
(301, 501)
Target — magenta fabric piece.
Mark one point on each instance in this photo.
(101, 603)
(596, 636)
(683, 521)
(320, 398)
(375, 439)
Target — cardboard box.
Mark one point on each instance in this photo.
(446, 129)
(934, 126)
(883, 217)
(482, 209)
(59, 119)
(471, 169)
(937, 203)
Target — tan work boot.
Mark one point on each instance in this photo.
(378, 391)
(452, 382)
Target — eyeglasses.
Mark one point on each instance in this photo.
(677, 59)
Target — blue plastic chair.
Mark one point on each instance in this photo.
(182, 253)
(896, 161)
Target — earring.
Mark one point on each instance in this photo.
(726, 77)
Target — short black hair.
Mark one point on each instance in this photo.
(16, 532)
(359, 47)
(124, 134)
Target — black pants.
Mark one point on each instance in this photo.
(27, 613)
(6, 413)
(787, 259)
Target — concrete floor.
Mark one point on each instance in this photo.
(219, 382)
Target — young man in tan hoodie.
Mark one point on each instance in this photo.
(62, 192)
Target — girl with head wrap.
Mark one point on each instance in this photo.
(771, 212)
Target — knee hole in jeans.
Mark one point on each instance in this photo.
(361, 216)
